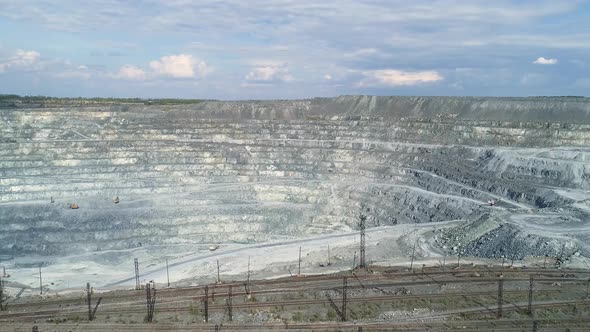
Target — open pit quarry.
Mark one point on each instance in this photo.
(486, 179)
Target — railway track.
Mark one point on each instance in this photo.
(303, 283)
(177, 300)
(505, 325)
(138, 296)
(139, 307)
(400, 274)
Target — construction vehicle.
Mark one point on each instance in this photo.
(492, 202)
(213, 247)
(117, 200)
(74, 206)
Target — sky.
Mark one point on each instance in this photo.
(269, 49)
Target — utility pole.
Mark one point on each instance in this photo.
(299, 271)
(89, 300)
(167, 273)
(136, 263)
(412, 259)
(206, 303)
(344, 297)
(150, 289)
(148, 300)
(500, 295)
(40, 281)
(218, 278)
(91, 313)
(1, 293)
(354, 261)
(329, 261)
(531, 281)
(248, 278)
(362, 225)
(229, 303)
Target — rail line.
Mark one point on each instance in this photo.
(176, 293)
(504, 325)
(178, 300)
(299, 283)
(82, 309)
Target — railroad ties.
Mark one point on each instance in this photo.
(552, 289)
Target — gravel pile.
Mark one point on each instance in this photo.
(488, 237)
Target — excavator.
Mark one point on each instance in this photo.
(117, 200)
(74, 206)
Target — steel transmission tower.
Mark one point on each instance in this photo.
(362, 225)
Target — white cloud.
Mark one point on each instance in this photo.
(176, 66)
(363, 53)
(173, 15)
(21, 59)
(394, 77)
(180, 66)
(129, 72)
(543, 61)
(269, 72)
(315, 39)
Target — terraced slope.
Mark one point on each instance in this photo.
(255, 171)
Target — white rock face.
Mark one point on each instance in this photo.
(244, 172)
